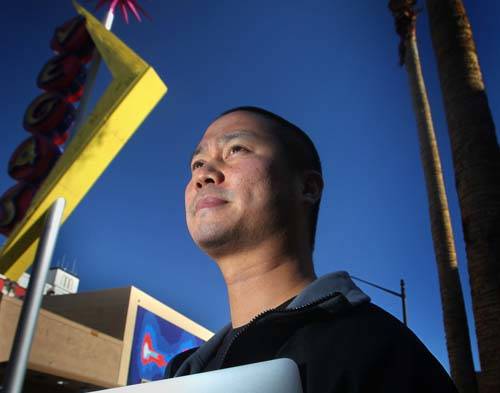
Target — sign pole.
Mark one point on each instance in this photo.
(18, 361)
(91, 76)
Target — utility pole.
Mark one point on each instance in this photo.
(401, 294)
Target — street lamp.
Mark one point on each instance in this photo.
(401, 294)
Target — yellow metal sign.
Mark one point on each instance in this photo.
(133, 93)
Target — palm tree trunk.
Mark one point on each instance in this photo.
(476, 161)
(454, 315)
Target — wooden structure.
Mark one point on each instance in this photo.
(83, 341)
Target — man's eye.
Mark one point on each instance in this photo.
(196, 165)
(237, 149)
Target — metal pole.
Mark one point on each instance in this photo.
(378, 286)
(16, 369)
(402, 294)
(403, 301)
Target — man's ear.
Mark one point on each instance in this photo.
(312, 186)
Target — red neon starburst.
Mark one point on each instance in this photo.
(124, 6)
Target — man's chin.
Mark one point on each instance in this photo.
(215, 243)
(212, 242)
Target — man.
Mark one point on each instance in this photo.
(252, 205)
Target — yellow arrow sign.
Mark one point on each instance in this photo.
(133, 93)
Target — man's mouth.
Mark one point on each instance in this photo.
(209, 202)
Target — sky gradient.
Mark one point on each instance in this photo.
(331, 67)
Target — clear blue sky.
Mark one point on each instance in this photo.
(331, 67)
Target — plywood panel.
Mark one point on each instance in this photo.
(63, 347)
(105, 310)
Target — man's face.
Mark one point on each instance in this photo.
(241, 189)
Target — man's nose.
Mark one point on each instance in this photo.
(208, 174)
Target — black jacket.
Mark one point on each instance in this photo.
(340, 341)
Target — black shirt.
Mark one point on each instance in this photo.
(215, 362)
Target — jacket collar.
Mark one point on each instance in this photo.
(326, 285)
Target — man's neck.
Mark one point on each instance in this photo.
(262, 279)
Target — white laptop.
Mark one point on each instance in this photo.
(273, 376)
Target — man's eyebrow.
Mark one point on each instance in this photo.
(226, 138)
(197, 151)
(238, 134)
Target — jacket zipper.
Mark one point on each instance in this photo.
(255, 319)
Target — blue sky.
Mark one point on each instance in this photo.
(331, 67)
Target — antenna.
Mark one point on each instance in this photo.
(63, 262)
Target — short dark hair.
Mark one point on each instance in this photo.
(299, 150)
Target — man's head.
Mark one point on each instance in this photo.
(254, 176)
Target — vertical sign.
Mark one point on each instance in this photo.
(133, 93)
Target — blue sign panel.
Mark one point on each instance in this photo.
(155, 342)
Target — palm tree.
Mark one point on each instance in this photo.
(454, 315)
(476, 160)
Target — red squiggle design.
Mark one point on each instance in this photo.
(149, 354)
